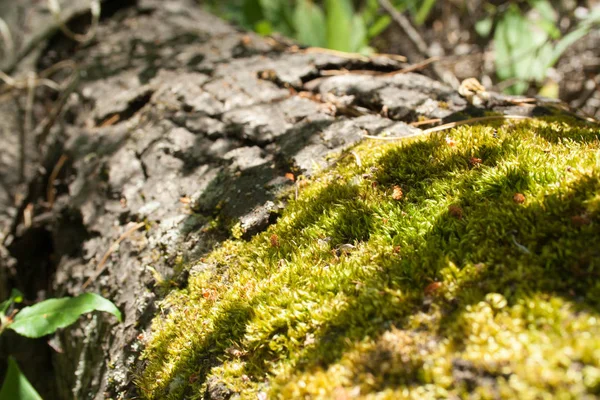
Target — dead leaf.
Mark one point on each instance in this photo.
(580, 220)
(474, 161)
(397, 194)
(432, 288)
(474, 92)
(274, 239)
(110, 121)
(455, 211)
(519, 198)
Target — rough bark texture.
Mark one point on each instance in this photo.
(178, 120)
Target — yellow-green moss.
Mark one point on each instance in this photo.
(463, 264)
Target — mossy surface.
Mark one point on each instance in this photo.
(463, 264)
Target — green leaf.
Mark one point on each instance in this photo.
(518, 59)
(16, 386)
(339, 14)
(46, 317)
(593, 17)
(541, 62)
(370, 11)
(550, 28)
(484, 26)
(503, 43)
(424, 11)
(582, 29)
(550, 90)
(252, 12)
(280, 16)
(567, 40)
(545, 9)
(358, 37)
(379, 26)
(263, 28)
(548, 15)
(15, 297)
(403, 5)
(310, 25)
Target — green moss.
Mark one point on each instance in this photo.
(480, 279)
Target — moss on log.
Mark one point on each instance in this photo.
(449, 264)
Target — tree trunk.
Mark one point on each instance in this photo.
(178, 125)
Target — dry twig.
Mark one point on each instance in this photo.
(415, 67)
(54, 7)
(27, 125)
(426, 122)
(353, 56)
(50, 192)
(449, 126)
(9, 44)
(414, 36)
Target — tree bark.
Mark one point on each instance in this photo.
(177, 122)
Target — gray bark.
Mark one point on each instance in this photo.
(177, 118)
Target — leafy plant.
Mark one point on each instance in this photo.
(525, 48)
(16, 385)
(418, 9)
(309, 20)
(334, 24)
(39, 320)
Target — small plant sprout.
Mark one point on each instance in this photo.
(39, 320)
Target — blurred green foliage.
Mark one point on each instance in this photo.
(527, 39)
(526, 46)
(335, 24)
(343, 25)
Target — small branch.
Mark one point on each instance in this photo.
(337, 53)
(54, 8)
(28, 124)
(67, 87)
(344, 54)
(41, 79)
(50, 192)
(473, 121)
(414, 67)
(396, 57)
(51, 29)
(426, 122)
(9, 44)
(449, 126)
(413, 35)
(406, 26)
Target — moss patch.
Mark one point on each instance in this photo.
(462, 264)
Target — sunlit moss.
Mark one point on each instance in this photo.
(480, 279)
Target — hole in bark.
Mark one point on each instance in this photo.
(133, 107)
(109, 8)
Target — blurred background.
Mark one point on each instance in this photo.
(527, 47)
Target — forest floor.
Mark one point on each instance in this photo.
(451, 35)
